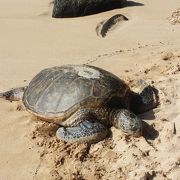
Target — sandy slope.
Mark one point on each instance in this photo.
(31, 40)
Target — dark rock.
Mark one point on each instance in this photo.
(75, 8)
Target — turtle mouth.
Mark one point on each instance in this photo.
(136, 130)
(134, 133)
(137, 134)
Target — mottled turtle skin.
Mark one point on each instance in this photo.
(84, 100)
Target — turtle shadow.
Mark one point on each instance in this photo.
(149, 133)
(149, 115)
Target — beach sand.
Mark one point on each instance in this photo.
(147, 47)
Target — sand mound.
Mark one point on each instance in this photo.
(153, 156)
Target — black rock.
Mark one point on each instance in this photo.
(75, 8)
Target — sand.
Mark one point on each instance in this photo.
(145, 47)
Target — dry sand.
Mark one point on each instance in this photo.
(145, 47)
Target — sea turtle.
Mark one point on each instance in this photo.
(84, 100)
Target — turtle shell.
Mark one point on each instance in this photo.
(57, 92)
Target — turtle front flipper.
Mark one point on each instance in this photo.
(90, 131)
(15, 94)
(126, 121)
(146, 100)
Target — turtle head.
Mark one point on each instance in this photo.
(127, 121)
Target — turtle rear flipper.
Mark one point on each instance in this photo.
(15, 94)
(87, 131)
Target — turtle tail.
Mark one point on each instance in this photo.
(1, 95)
(15, 94)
